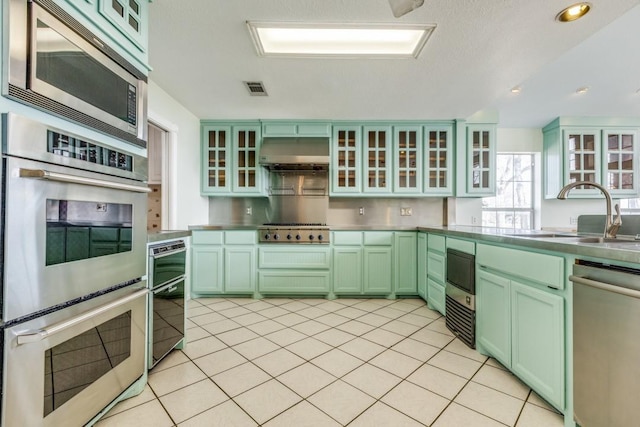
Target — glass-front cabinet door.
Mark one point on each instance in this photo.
(216, 142)
(347, 159)
(247, 171)
(377, 170)
(407, 145)
(481, 154)
(582, 160)
(438, 155)
(620, 157)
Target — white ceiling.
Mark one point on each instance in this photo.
(201, 51)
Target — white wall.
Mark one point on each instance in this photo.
(187, 206)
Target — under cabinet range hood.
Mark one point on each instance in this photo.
(295, 153)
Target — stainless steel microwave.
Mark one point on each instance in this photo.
(57, 65)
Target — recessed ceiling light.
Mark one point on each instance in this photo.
(583, 89)
(338, 40)
(516, 89)
(573, 12)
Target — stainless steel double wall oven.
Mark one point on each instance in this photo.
(73, 260)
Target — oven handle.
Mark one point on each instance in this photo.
(172, 284)
(62, 177)
(41, 334)
(164, 254)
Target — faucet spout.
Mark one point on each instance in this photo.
(611, 225)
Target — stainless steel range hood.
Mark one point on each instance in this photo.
(295, 153)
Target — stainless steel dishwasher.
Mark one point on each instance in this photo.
(606, 345)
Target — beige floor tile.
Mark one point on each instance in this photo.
(171, 379)
(493, 362)
(370, 305)
(455, 364)
(535, 399)
(382, 337)
(279, 361)
(249, 319)
(234, 312)
(503, 381)
(416, 349)
(219, 361)
(176, 357)
(372, 380)
(267, 400)
(257, 305)
(362, 349)
(294, 306)
(402, 306)
(425, 311)
(256, 347)
(397, 363)
(145, 396)
(351, 312)
(311, 312)
(205, 319)
(400, 328)
(188, 324)
(415, 301)
(309, 348)
(438, 381)
(334, 337)
(312, 301)
(197, 302)
(195, 334)
(191, 400)
(458, 416)
(236, 336)
(273, 312)
(277, 301)
(203, 347)
(381, 415)
(290, 319)
(242, 301)
(490, 402)
(302, 415)
(226, 414)
(337, 362)
(416, 402)
(198, 311)
(458, 347)
(389, 312)
(216, 303)
(221, 326)
(151, 412)
(285, 337)
(240, 378)
(535, 416)
(416, 320)
(341, 401)
(266, 327)
(433, 338)
(349, 301)
(439, 326)
(310, 327)
(332, 319)
(306, 379)
(330, 306)
(355, 327)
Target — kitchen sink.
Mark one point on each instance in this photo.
(573, 238)
(544, 235)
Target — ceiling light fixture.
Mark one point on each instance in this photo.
(338, 40)
(573, 12)
(516, 89)
(402, 7)
(582, 90)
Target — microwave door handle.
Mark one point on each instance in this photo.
(61, 177)
(41, 334)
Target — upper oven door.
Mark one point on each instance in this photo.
(68, 233)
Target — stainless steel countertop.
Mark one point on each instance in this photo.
(223, 227)
(157, 236)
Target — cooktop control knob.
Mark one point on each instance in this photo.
(267, 236)
(298, 237)
(276, 237)
(320, 237)
(311, 236)
(289, 236)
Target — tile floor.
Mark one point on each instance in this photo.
(315, 362)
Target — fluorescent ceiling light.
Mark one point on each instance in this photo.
(338, 40)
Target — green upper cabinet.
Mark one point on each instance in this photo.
(287, 128)
(377, 159)
(129, 17)
(346, 160)
(438, 160)
(230, 159)
(600, 150)
(481, 159)
(407, 155)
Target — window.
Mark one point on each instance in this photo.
(512, 206)
(630, 206)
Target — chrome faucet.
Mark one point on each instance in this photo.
(610, 227)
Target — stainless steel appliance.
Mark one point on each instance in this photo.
(460, 304)
(294, 233)
(56, 64)
(73, 299)
(606, 349)
(167, 302)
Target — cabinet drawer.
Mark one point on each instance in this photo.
(240, 237)
(436, 243)
(378, 238)
(347, 238)
(293, 282)
(461, 245)
(547, 270)
(436, 266)
(206, 237)
(294, 257)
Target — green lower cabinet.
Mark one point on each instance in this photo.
(347, 270)
(294, 282)
(206, 269)
(436, 295)
(493, 315)
(422, 265)
(406, 255)
(378, 266)
(294, 269)
(239, 269)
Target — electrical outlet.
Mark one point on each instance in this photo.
(573, 220)
(474, 220)
(249, 210)
(101, 207)
(361, 210)
(406, 211)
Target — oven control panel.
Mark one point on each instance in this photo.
(294, 235)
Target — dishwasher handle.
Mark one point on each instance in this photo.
(605, 286)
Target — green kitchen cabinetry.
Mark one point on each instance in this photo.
(600, 150)
(436, 272)
(230, 159)
(346, 160)
(207, 267)
(406, 260)
(377, 177)
(439, 173)
(422, 265)
(407, 159)
(277, 128)
(294, 269)
(520, 316)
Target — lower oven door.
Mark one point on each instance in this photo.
(168, 320)
(63, 368)
(68, 233)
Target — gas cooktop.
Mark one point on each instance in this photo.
(294, 233)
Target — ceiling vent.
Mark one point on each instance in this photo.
(255, 88)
